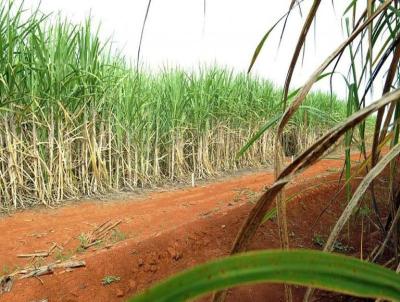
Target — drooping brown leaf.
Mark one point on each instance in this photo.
(142, 34)
(361, 189)
(303, 161)
(300, 42)
(307, 87)
(352, 204)
(388, 84)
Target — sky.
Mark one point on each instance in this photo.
(178, 33)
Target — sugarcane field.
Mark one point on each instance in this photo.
(199, 150)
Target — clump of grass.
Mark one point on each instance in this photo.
(80, 249)
(5, 270)
(107, 280)
(246, 193)
(63, 255)
(318, 240)
(76, 119)
(338, 246)
(117, 236)
(83, 240)
(333, 170)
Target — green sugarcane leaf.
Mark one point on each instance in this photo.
(260, 132)
(327, 271)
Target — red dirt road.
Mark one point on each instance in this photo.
(166, 232)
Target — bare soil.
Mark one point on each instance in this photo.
(166, 232)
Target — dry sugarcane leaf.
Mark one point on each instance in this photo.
(307, 87)
(70, 264)
(313, 153)
(389, 79)
(40, 271)
(372, 174)
(32, 255)
(304, 160)
(358, 194)
(300, 43)
(370, 29)
(388, 83)
(100, 232)
(49, 269)
(388, 235)
(360, 168)
(281, 206)
(142, 34)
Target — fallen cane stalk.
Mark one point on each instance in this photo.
(49, 269)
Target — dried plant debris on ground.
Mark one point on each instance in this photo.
(41, 254)
(104, 233)
(49, 268)
(37, 266)
(6, 282)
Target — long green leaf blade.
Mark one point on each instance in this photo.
(302, 267)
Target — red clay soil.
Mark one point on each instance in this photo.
(166, 233)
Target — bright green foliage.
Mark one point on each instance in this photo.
(107, 280)
(76, 119)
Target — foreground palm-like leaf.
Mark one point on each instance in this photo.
(302, 267)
